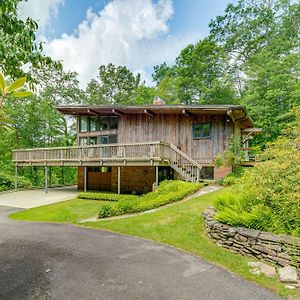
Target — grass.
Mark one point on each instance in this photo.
(70, 211)
(180, 225)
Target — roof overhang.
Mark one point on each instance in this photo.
(236, 112)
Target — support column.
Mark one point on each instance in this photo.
(156, 176)
(16, 177)
(84, 178)
(119, 180)
(46, 179)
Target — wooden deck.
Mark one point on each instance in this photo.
(134, 154)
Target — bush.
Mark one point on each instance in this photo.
(167, 192)
(106, 211)
(268, 196)
(7, 182)
(106, 196)
(233, 177)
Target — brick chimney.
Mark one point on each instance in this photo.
(158, 101)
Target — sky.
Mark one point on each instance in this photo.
(139, 34)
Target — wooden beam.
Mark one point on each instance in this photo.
(149, 113)
(92, 112)
(187, 113)
(117, 112)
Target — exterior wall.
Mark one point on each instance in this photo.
(134, 179)
(279, 249)
(221, 172)
(80, 178)
(177, 130)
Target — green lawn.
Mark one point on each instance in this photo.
(180, 225)
(71, 211)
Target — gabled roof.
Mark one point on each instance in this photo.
(236, 112)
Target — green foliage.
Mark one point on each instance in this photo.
(7, 182)
(167, 192)
(233, 155)
(233, 177)
(200, 75)
(106, 196)
(114, 85)
(268, 196)
(18, 41)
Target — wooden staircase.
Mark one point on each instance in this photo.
(189, 169)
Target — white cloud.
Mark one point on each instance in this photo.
(41, 11)
(133, 33)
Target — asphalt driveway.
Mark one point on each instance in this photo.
(34, 198)
(60, 261)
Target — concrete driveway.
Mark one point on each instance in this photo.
(34, 198)
(60, 261)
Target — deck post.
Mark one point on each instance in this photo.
(84, 178)
(46, 179)
(156, 176)
(16, 177)
(119, 180)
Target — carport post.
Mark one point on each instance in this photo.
(46, 179)
(119, 180)
(84, 179)
(156, 176)
(16, 177)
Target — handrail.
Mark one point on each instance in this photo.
(147, 151)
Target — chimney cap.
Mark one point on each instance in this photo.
(158, 101)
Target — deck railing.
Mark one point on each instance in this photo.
(89, 153)
(158, 153)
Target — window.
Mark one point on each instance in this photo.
(103, 123)
(202, 131)
(103, 139)
(84, 123)
(93, 140)
(112, 139)
(113, 122)
(93, 123)
(99, 169)
(83, 141)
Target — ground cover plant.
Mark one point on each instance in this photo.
(167, 192)
(268, 196)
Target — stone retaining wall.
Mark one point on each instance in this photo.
(279, 249)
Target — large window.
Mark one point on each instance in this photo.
(98, 123)
(84, 123)
(202, 131)
(93, 123)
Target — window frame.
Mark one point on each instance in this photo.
(202, 137)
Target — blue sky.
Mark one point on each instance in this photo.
(139, 34)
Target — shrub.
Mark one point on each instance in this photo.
(7, 182)
(268, 196)
(233, 177)
(106, 211)
(106, 196)
(167, 192)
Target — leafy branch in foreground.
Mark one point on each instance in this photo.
(12, 90)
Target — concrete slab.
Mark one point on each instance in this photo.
(35, 198)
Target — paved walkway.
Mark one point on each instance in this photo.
(34, 198)
(202, 191)
(60, 261)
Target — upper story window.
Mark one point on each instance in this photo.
(98, 123)
(202, 131)
(93, 123)
(84, 124)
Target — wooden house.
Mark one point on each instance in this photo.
(129, 148)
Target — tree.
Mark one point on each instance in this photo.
(18, 41)
(114, 85)
(200, 75)
(262, 41)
